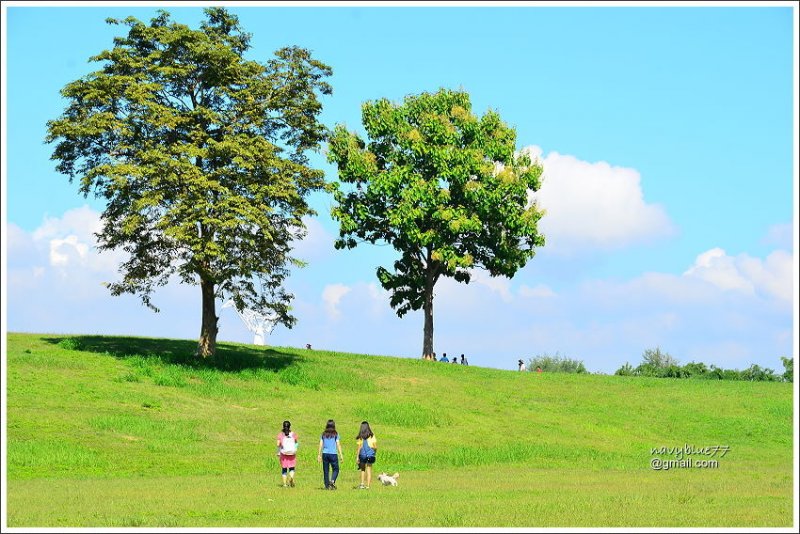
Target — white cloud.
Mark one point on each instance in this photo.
(362, 322)
(379, 298)
(16, 238)
(21, 250)
(498, 284)
(780, 236)
(63, 250)
(70, 243)
(645, 290)
(56, 282)
(726, 310)
(83, 222)
(317, 244)
(366, 298)
(594, 205)
(771, 277)
(331, 296)
(716, 267)
(538, 291)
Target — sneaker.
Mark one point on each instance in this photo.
(362, 486)
(291, 482)
(332, 486)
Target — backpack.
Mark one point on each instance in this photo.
(366, 450)
(288, 445)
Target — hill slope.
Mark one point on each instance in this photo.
(112, 431)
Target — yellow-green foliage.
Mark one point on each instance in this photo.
(443, 187)
(201, 158)
(134, 432)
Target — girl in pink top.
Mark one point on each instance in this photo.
(287, 452)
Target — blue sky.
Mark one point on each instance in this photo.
(667, 139)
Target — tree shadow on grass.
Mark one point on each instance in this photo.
(229, 357)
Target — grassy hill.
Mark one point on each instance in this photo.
(121, 431)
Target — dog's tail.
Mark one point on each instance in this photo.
(395, 475)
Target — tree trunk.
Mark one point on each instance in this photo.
(427, 336)
(430, 282)
(207, 345)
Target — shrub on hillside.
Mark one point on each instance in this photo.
(626, 370)
(556, 364)
(70, 343)
(788, 366)
(656, 359)
(757, 374)
(661, 365)
(696, 369)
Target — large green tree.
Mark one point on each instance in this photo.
(444, 187)
(201, 157)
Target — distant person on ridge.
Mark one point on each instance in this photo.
(521, 365)
(463, 360)
(444, 358)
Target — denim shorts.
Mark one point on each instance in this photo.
(363, 460)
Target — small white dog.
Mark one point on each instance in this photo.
(389, 480)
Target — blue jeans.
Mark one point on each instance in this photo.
(332, 461)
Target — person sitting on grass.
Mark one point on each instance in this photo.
(365, 453)
(444, 358)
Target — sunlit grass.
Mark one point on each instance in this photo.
(116, 432)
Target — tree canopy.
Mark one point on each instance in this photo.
(201, 156)
(446, 188)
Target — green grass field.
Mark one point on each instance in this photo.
(131, 432)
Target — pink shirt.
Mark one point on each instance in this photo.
(289, 460)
